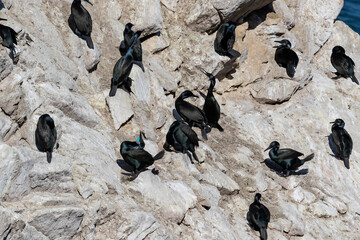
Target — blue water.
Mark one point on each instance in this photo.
(350, 14)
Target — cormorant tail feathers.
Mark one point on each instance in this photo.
(195, 156)
(140, 64)
(290, 69)
(48, 156)
(263, 234)
(216, 125)
(308, 158)
(159, 155)
(346, 162)
(89, 42)
(203, 134)
(354, 79)
(112, 90)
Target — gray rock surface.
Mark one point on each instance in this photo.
(84, 192)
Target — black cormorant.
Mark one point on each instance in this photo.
(211, 106)
(135, 155)
(225, 38)
(45, 135)
(123, 68)
(82, 21)
(287, 158)
(343, 64)
(124, 46)
(342, 141)
(182, 138)
(191, 114)
(285, 57)
(259, 216)
(8, 36)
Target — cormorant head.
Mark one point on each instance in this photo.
(128, 26)
(257, 197)
(284, 43)
(186, 94)
(209, 75)
(49, 121)
(140, 140)
(231, 27)
(272, 145)
(338, 123)
(338, 49)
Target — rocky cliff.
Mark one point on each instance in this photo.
(83, 193)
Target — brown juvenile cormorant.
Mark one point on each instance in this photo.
(285, 57)
(343, 64)
(191, 114)
(83, 22)
(225, 38)
(287, 158)
(211, 106)
(134, 154)
(123, 68)
(342, 141)
(45, 135)
(259, 216)
(182, 138)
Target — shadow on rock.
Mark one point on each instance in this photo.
(256, 17)
(279, 170)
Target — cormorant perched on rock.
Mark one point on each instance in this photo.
(45, 135)
(211, 106)
(8, 36)
(135, 155)
(123, 68)
(83, 22)
(259, 216)
(287, 158)
(225, 38)
(342, 141)
(343, 64)
(124, 46)
(191, 114)
(182, 138)
(285, 57)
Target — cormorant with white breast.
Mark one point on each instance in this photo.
(124, 46)
(8, 36)
(287, 158)
(259, 216)
(135, 155)
(83, 22)
(342, 141)
(182, 138)
(211, 106)
(343, 64)
(123, 68)
(285, 57)
(191, 114)
(225, 38)
(45, 135)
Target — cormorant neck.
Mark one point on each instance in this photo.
(273, 152)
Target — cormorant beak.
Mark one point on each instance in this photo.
(267, 149)
(275, 46)
(205, 72)
(3, 19)
(88, 2)
(332, 122)
(278, 41)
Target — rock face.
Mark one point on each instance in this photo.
(84, 194)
